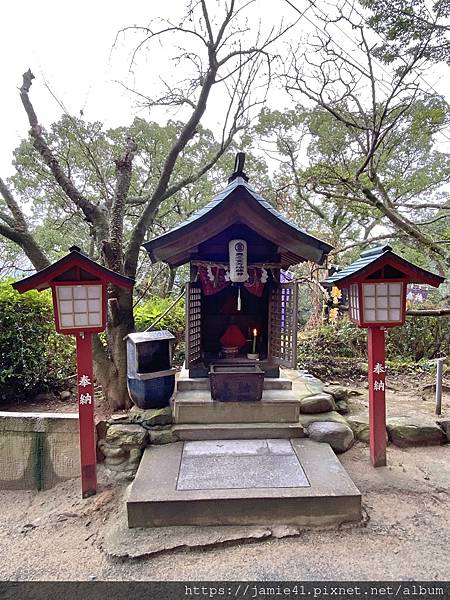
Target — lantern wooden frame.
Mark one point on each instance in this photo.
(361, 319)
(374, 267)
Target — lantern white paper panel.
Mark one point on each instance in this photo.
(79, 306)
(383, 302)
(354, 302)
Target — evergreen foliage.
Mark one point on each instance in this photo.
(33, 357)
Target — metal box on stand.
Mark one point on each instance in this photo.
(150, 375)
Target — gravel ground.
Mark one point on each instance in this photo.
(54, 535)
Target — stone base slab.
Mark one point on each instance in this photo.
(329, 499)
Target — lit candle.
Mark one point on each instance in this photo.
(255, 333)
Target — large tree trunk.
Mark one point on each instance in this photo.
(111, 362)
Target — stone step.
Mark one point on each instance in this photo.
(239, 431)
(190, 384)
(242, 482)
(276, 406)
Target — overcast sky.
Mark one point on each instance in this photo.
(69, 46)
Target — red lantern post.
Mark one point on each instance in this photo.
(85, 392)
(377, 398)
(377, 299)
(79, 292)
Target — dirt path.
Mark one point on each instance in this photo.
(54, 535)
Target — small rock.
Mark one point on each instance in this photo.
(45, 397)
(445, 426)
(337, 391)
(101, 428)
(282, 531)
(117, 418)
(318, 403)
(354, 392)
(125, 468)
(412, 431)
(332, 416)
(163, 436)
(120, 475)
(342, 407)
(128, 435)
(339, 436)
(359, 424)
(151, 416)
(65, 395)
(119, 460)
(111, 451)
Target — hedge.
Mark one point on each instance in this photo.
(33, 357)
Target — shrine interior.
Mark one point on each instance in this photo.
(220, 310)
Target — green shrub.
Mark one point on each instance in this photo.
(33, 357)
(345, 341)
(342, 349)
(420, 338)
(147, 312)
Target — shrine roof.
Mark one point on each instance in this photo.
(43, 278)
(237, 203)
(375, 258)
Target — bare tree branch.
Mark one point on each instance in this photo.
(18, 216)
(92, 213)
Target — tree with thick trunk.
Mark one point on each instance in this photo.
(224, 60)
(381, 125)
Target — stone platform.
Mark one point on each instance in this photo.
(242, 482)
(198, 417)
(275, 406)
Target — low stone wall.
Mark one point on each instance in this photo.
(38, 449)
(122, 439)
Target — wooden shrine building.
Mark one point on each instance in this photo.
(228, 320)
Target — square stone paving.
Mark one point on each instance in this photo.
(240, 464)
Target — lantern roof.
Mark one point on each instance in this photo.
(75, 266)
(238, 203)
(373, 260)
